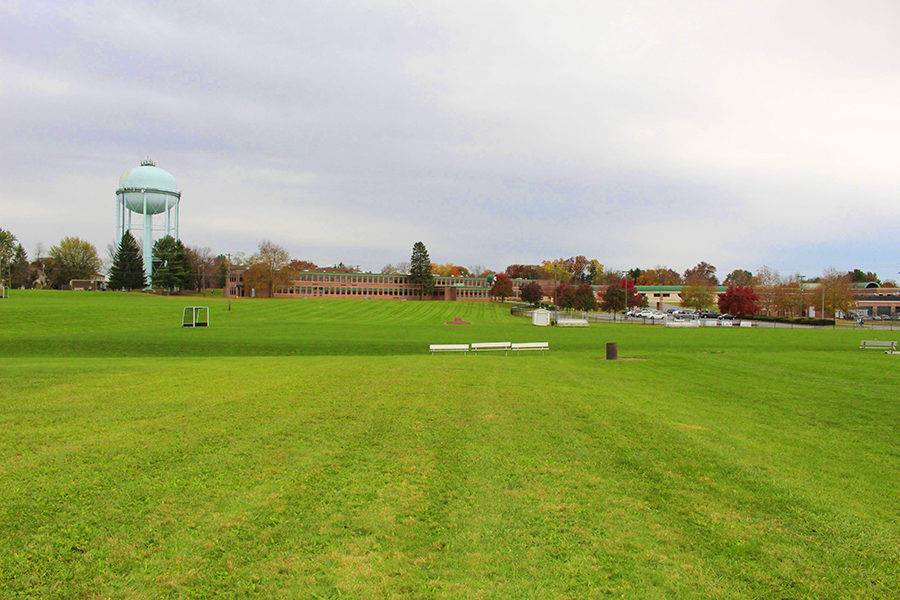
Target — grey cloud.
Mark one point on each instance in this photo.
(496, 132)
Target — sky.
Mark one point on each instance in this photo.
(639, 133)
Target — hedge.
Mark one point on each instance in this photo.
(794, 320)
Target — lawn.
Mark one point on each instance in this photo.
(314, 449)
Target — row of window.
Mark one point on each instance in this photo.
(352, 278)
(384, 279)
(303, 290)
(343, 291)
(482, 293)
(470, 281)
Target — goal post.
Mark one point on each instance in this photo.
(195, 316)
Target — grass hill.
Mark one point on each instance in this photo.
(306, 448)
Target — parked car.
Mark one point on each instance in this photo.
(657, 315)
(708, 314)
(726, 317)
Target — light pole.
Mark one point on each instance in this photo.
(893, 314)
(228, 279)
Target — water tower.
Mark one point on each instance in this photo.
(147, 190)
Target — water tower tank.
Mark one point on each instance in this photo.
(148, 180)
(147, 190)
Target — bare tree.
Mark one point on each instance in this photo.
(402, 268)
(788, 298)
(765, 284)
(110, 257)
(205, 266)
(610, 277)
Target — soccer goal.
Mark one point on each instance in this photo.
(195, 316)
(4, 291)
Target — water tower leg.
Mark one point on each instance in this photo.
(148, 246)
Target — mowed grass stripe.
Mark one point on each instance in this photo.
(727, 463)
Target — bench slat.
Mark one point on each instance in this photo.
(490, 346)
(879, 345)
(531, 346)
(448, 348)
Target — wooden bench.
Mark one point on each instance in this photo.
(448, 348)
(888, 347)
(491, 346)
(531, 346)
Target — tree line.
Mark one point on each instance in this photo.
(175, 266)
(746, 294)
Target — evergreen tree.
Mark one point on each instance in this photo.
(127, 271)
(171, 266)
(420, 270)
(20, 273)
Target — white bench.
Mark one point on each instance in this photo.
(531, 346)
(491, 346)
(571, 322)
(888, 347)
(448, 348)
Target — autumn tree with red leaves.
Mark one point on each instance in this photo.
(565, 295)
(739, 300)
(531, 292)
(503, 287)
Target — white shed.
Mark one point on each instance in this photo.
(540, 317)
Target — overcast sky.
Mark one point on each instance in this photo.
(639, 133)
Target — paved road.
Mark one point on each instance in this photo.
(868, 326)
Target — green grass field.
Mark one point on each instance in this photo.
(314, 449)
